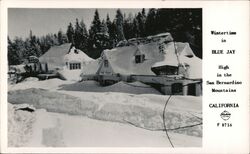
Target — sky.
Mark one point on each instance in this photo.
(44, 21)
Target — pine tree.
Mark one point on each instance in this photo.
(119, 25)
(97, 34)
(136, 28)
(103, 36)
(128, 27)
(112, 32)
(143, 22)
(140, 24)
(61, 37)
(94, 29)
(33, 48)
(150, 23)
(70, 33)
(84, 37)
(96, 24)
(13, 56)
(77, 34)
(19, 50)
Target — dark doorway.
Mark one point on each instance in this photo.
(192, 89)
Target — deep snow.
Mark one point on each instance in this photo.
(77, 131)
(111, 103)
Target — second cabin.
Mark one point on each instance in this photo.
(172, 66)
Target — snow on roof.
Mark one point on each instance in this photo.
(188, 57)
(185, 56)
(170, 57)
(185, 49)
(54, 56)
(162, 34)
(122, 59)
(195, 66)
(77, 55)
(91, 67)
(138, 51)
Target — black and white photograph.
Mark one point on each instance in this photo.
(105, 77)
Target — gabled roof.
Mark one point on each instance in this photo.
(54, 56)
(173, 51)
(138, 51)
(122, 59)
(77, 55)
(91, 68)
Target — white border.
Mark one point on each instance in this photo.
(210, 135)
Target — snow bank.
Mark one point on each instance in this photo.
(19, 125)
(134, 88)
(71, 75)
(62, 130)
(31, 79)
(121, 87)
(91, 67)
(74, 130)
(52, 101)
(142, 110)
(86, 86)
(51, 84)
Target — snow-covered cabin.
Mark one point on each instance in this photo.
(54, 57)
(75, 60)
(147, 59)
(156, 58)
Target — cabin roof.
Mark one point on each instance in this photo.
(76, 55)
(54, 56)
(122, 60)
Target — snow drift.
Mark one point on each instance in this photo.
(19, 125)
(121, 87)
(141, 110)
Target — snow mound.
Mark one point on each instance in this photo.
(87, 86)
(140, 110)
(134, 88)
(90, 68)
(71, 75)
(121, 87)
(51, 84)
(19, 125)
(31, 79)
(139, 84)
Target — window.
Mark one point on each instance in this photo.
(106, 64)
(74, 66)
(76, 52)
(161, 48)
(139, 58)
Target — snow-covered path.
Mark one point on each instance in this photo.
(78, 131)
